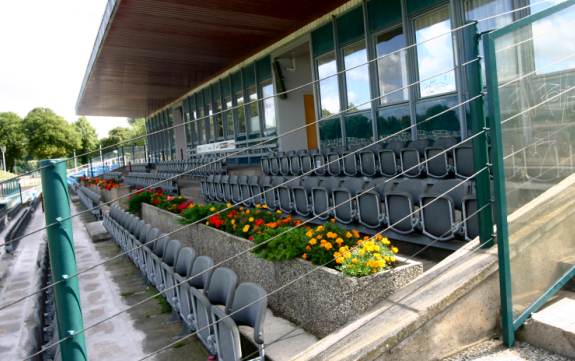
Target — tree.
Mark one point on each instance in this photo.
(122, 136)
(115, 136)
(88, 138)
(49, 135)
(137, 131)
(13, 137)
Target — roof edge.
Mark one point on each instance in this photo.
(107, 18)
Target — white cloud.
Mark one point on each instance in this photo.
(45, 49)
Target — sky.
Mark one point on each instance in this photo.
(44, 51)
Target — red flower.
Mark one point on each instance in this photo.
(259, 222)
(251, 238)
(216, 221)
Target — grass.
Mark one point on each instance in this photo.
(164, 305)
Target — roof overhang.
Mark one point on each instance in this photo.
(150, 52)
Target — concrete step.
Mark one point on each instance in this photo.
(553, 328)
(282, 338)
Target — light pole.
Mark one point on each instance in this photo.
(3, 149)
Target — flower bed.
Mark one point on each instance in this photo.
(105, 184)
(318, 298)
(281, 237)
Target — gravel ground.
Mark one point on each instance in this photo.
(493, 350)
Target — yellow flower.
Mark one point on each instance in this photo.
(336, 254)
(354, 261)
(251, 219)
(339, 241)
(264, 206)
(304, 256)
(319, 236)
(233, 221)
(347, 255)
(229, 205)
(378, 237)
(348, 235)
(365, 238)
(247, 211)
(308, 248)
(212, 209)
(319, 228)
(208, 223)
(246, 228)
(386, 241)
(327, 246)
(355, 233)
(309, 234)
(332, 220)
(313, 241)
(394, 249)
(361, 252)
(339, 260)
(392, 259)
(279, 212)
(258, 205)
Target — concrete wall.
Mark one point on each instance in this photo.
(180, 135)
(456, 303)
(290, 111)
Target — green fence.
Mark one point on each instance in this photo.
(530, 68)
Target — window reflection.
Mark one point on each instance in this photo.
(240, 112)
(392, 120)
(328, 86)
(218, 119)
(392, 67)
(357, 77)
(435, 53)
(229, 118)
(254, 110)
(269, 104)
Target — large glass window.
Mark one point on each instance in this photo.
(218, 119)
(269, 104)
(392, 67)
(328, 85)
(211, 121)
(254, 110)
(357, 77)
(435, 53)
(240, 114)
(229, 118)
(201, 126)
(483, 9)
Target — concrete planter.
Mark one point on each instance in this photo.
(115, 193)
(319, 299)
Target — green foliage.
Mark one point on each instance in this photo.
(115, 136)
(122, 136)
(88, 138)
(199, 212)
(49, 135)
(280, 244)
(136, 200)
(13, 137)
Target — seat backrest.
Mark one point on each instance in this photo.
(173, 247)
(413, 187)
(249, 308)
(201, 272)
(185, 261)
(152, 238)
(330, 183)
(418, 145)
(243, 179)
(455, 189)
(222, 287)
(160, 245)
(395, 146)
(352, 185)
(310, 182)
(233, 179)
(444, 142)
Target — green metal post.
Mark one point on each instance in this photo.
(499, 191)
(63, 260)
(478, 125)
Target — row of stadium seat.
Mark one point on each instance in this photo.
(137, 179)
(90, 199)
(117, 176)
(440, 159)
(405, 205)
(208, 301)
(194, 166)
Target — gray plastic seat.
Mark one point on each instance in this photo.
(401, 203)
(308, 162)
(285, 164)
(371, 204)
(156, 259)
(286, 202)
(322, 197)
(257, 189)
(350, 164)
(220, 196)
(265, 163)
(302, 195)
(245, 189)
(231, 187)
(411, 157)
(368, 161)
(442, 209)
(270, 192)
(220, 292)
(216, 181)
(388, 156)
(274, 164)
(319, 161)
(171, 253)
(198, 278)
(463, 160)
(333, 162)
(344, 199)
(182, 269)
(438, 157)
(248, 309)
(296, 162)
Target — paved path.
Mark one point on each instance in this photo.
(493, 350)
(19, 276)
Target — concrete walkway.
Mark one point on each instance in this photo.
(114, 287)
(493, 350)
(20, 276)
